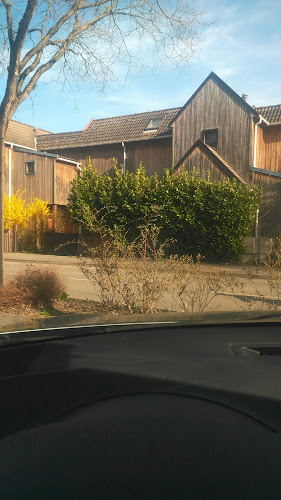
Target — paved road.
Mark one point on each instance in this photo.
(78, 286)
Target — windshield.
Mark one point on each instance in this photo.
(156, 200)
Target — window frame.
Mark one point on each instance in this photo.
(148, 128)
(204, 132)
(26, 167)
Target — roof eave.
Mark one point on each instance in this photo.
(274, 124)
(108, 143)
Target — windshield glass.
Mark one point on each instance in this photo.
(157, 200)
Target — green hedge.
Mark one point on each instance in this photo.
(210, 218)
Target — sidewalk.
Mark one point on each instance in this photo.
(239, 269)
(37, 258)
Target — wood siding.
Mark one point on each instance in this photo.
(270, 213)
(262, 179)
(214, 108)
(203, 163)
(51, 181)
(155, 155)
(101, 156)
(38, 185)
(64, 175)
(269, 148)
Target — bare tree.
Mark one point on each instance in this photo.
(86, 37)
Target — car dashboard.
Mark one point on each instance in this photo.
(150, 411)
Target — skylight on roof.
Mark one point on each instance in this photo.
(154, 123)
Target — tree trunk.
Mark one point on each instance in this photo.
(2, 174)
(3, 128)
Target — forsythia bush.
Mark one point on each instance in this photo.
(15, 213)
(29, 219)
(200, 216)
(38, 209)
(38, 213)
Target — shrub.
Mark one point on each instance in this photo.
(131, 275)
(38, 213)
(29, 221)
(127, 197)
(202, 217)
(136, 276)
(35, 287)
(207, 218)
(15, 214)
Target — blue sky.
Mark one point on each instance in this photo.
(242, 45)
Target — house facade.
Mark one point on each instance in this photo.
(35, 173)
(246, 138)
(215, 131)
(131, 139)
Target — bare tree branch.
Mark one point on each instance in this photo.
(23, 27)
(77, 6)
(63, 46)
(7, 6)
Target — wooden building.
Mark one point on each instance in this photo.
(243, 136)
(35, 173)
(216, 131)
(131, 139)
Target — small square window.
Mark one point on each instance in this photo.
(154, 124)
(210, 137)
(30, 167)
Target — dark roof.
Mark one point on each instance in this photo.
(212, 153)
(23, 134)
(272, 114)
(221, 83)
(112, 130)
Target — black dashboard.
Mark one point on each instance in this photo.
(166, 411)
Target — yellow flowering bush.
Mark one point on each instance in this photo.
(15, 213)
(38, 209)
(38, 213)
(28, 220)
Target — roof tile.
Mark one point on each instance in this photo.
(112, 130)
(272, 114)
(23, 134)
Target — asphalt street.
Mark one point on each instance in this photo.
(79, 287)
